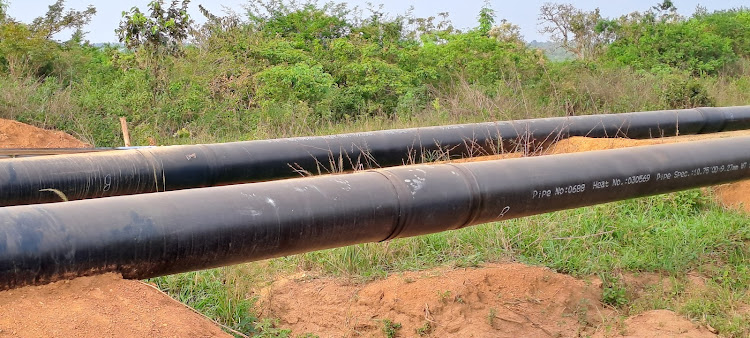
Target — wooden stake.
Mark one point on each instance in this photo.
(125, 133)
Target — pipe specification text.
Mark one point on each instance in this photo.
(640, 179)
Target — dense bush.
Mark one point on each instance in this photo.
(702, 44)
(690, 45)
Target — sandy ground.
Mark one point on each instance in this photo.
(15, 134)
(497, 300)
(100, 306)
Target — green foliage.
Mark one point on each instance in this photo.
(730, 24)
(424, 330)
(3, 11)
(57, 19)
(290, 68)
(613, 290)
(298, 82)
(209, 292)
(163, 31)
(22, 52)
(27, 49)
(268, 328)
(702, 44)
(688, 46)
(390, 329)
(486, 18)
(491, 316)
(685, 92)
(378, 65)
(305, 23)
(656, 40)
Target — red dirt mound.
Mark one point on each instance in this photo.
(736, 195)
(661, 323)
(498, 300)
(581, 144)
(14, 134)
(101, 306)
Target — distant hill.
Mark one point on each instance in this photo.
(105, 44)
(553, 50)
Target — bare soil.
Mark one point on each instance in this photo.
(100, 306)
(735, 195)
(496, 300)
(15, 134)
(657, 324)
(581, 144)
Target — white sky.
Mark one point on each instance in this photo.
(463, 14)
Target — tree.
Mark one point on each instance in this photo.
(3, 11)
(303, 22)
(581, 33)
(155, 38)
(507, 32)
(162, 32)
(27, 49)
(486, 18)
(665, 11)
(690, 45)
(57, 19)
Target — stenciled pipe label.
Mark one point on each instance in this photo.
(659, 176)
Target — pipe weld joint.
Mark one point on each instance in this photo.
(475, 197)
(404, 209)
(715, 119)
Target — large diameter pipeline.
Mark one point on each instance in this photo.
(49, 179)
(164, 233)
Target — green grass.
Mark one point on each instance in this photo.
(214, 294)
(390, 329)
(669, 234)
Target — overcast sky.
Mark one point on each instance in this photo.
(463, 13)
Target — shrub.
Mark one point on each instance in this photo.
(298, 82)
(685, 92)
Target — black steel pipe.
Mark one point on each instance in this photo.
(26, 152)
(48, 179)
(52, 179)
(164, 233)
